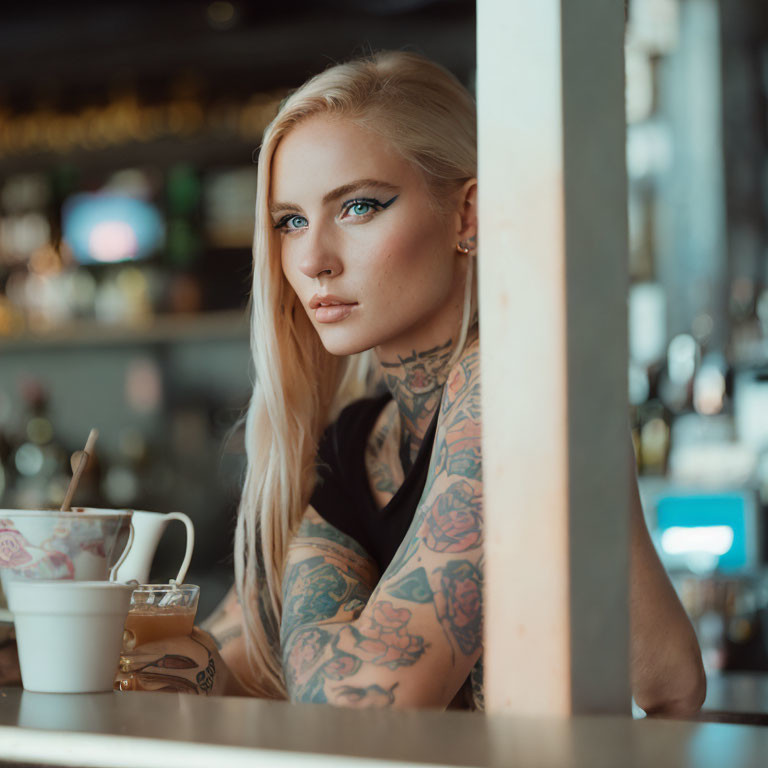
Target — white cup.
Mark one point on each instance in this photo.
(148, 528)
(69, 633)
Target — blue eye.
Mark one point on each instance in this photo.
(291, 222)
(297, 222)
(364, 207)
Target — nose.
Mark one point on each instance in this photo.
(320, 255)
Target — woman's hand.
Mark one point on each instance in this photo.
(188, 664)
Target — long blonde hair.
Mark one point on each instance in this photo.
(429, 118)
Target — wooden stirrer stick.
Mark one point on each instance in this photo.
(86, 454)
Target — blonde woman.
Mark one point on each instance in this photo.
(359, 544)
(358, 552)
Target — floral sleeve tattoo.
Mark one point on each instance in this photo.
(329, 579)
(346, 638)
(449, 521)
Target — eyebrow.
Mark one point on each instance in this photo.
(335, 194)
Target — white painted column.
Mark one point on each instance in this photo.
(553, 284)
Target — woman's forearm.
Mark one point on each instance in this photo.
(226, 627)
(666, 670)
(396, 653)
(347, 664)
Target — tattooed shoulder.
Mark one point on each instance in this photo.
(328, 576)
(315, 531)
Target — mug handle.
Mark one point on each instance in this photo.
(182, 574)
(120, 560)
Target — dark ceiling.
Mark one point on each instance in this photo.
(63, 54)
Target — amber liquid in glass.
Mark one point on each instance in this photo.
(147, 625)
(150, 624)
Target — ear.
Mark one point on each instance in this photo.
(466, 212)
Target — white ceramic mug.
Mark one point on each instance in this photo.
(68, 633)
(148, 528)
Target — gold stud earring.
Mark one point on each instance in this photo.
(462, 248)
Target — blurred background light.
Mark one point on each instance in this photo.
(681, 358)
(29, 459)
(103, 228)
(647, 322)
(221, 15)
(711, 539)
(718, 528)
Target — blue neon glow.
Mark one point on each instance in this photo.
(103, 228)
(709, 511)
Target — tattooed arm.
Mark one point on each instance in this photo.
(414, 640)
(328, 581)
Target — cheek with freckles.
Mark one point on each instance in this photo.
(411, 260)
(401, 281)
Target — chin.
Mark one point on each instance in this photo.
(341, 343)
(344, 349)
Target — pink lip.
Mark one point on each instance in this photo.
(331, 309)
(334, 313)
(328, 298)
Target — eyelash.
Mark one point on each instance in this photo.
(376, 205)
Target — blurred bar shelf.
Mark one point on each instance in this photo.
(161, 329)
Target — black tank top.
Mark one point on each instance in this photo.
(343, 496)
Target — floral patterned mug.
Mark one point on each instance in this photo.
(80, 545)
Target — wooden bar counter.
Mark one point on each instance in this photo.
(162, 729)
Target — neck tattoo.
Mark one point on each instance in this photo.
(416, 383)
